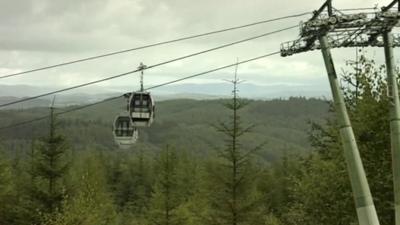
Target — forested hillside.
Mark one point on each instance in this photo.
(199, 163)
(187, 124)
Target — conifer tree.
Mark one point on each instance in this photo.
(166, 198)
(15, 204)
(322, 192)
(233, 197)
(49, 169)
(133, 191)
(90, 203)
(6, 191)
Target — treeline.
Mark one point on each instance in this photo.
(186, 123)
(229, 183)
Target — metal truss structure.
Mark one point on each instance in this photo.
(329, 28)
(344, 30)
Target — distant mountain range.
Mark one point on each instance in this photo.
(248, 90)
(9, 93)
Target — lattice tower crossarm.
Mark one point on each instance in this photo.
(344, 30)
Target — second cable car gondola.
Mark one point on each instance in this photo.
(141, 109)
(125, 135)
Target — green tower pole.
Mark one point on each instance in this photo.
(362, 195)
(394, 119)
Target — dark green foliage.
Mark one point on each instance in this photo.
(90, 202)
(370, 116)
(320, 189)
(48, 170)
(300, 178)
(232, 177)
(132, 189)
(183, 123)
(7, 195)
(166, 198)
(106, 185)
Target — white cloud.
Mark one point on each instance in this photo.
(38, 33)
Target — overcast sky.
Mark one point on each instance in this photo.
(36, 33)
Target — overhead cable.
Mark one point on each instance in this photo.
(149, 88)
(148, 67)
(153, 45)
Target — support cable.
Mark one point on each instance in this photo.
(154, 45)
(359, 9)
(148, 67)
(149, 88)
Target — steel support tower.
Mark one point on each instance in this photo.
(329, 28)
(394, 108)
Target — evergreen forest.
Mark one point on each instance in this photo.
(224, 162)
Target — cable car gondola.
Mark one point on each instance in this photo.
(141, 109)
(125, 135)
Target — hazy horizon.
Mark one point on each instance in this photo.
(44, 32)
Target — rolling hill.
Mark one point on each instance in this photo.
(185, 123)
